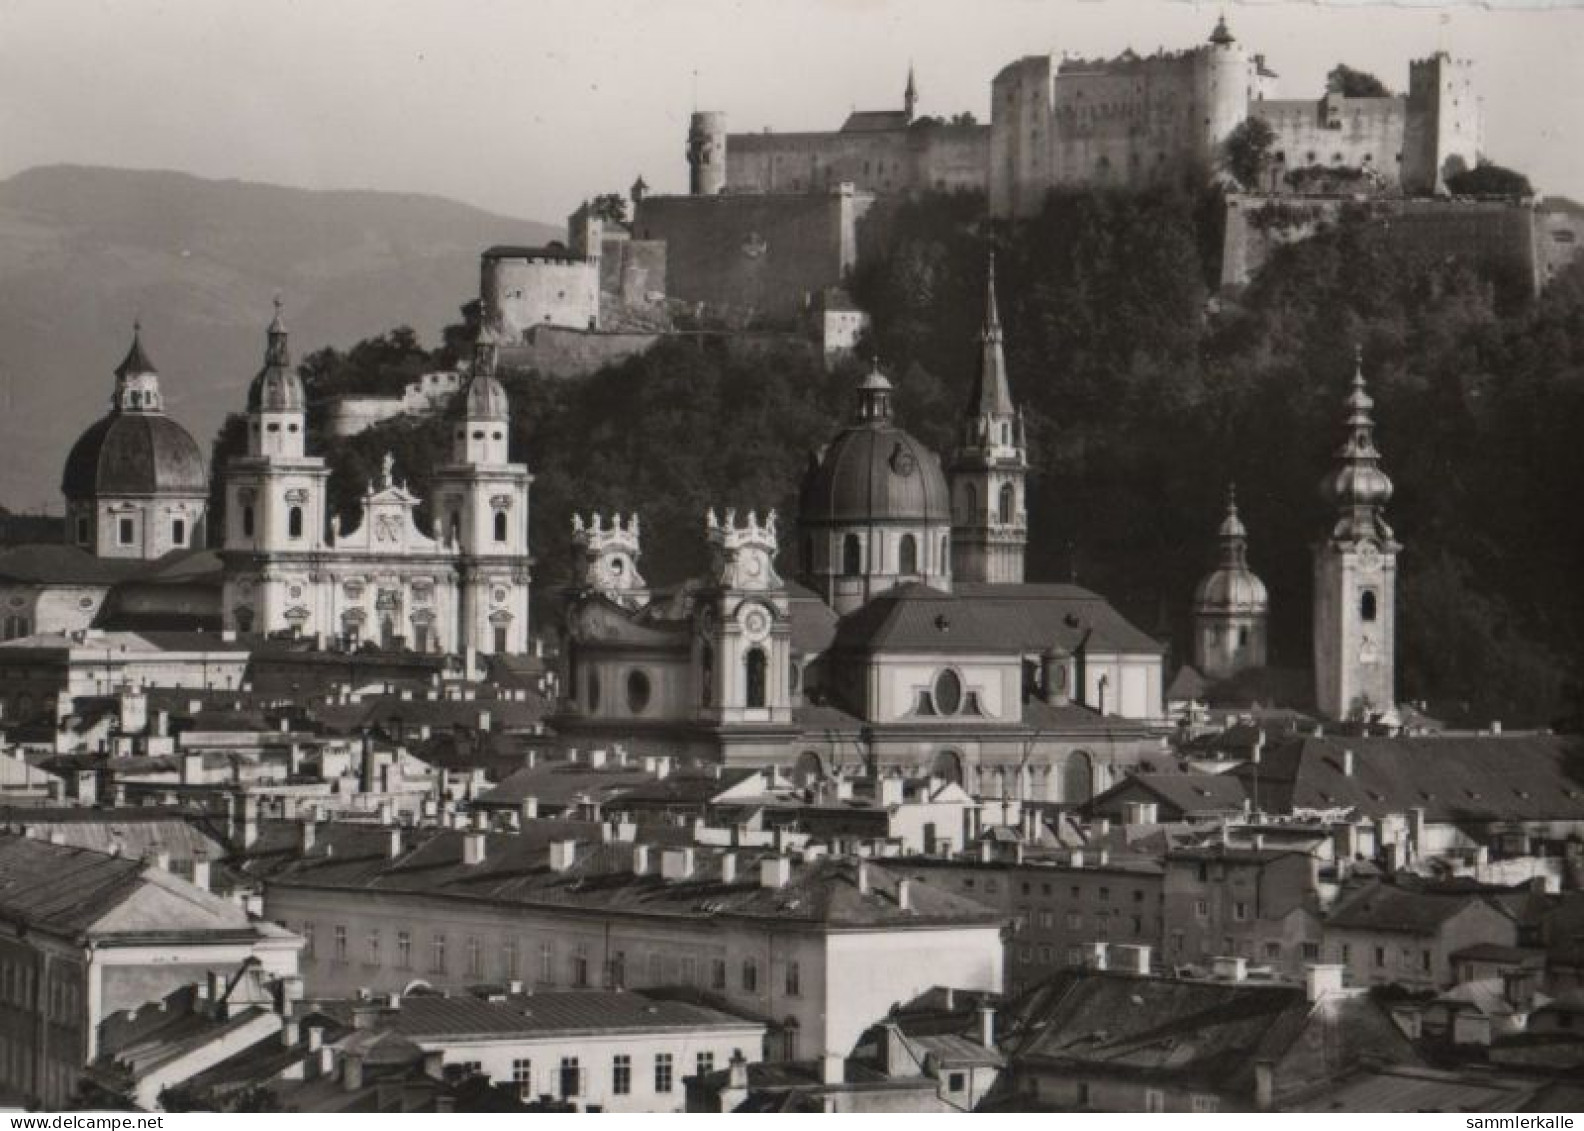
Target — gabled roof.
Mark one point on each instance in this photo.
(990, 618)
(873, 121)
(1186, 793)
(1510, 778)
(559, 783)
(515, 871)
(1392, 908)
(1208, 1034)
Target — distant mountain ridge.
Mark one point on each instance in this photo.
(85, 250)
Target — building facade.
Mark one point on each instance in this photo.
(463, 587)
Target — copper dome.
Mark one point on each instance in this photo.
(134, 454)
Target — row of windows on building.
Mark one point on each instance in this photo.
(580, 969)
(570, 1082)
(19, 987)
(126, 531)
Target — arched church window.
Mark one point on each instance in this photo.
(1008, 505)
(294, 523)
(754, 664)
(500, 526)
(593, 691)
(247, 522)
(852, 555)
(1006, 433)
(1077, 777)
(637, 691)
(1368, 609)
(908, 555)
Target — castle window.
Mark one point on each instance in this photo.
(637, 691)
(294, 523)
(852, 555)
(1368, 609)
(179, 532)
(907, 558)
(1008, 507)
(754, 664)
(500, 526)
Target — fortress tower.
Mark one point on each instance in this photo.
(1355, 577)
(989, 467)
(1444, 126)
(706, 153)
(1230, 606)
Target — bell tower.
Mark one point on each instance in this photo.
(480, 504)
(743, 653)
(989, 467)
(1355, 577)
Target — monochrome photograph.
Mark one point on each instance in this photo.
(860, 557)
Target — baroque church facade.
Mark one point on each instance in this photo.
(907, 641)
(461, 587)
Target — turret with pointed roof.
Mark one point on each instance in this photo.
(989, 467)
(1230, 606)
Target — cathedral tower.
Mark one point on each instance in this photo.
(989, 468)
(479, 501)
(744, 646)
(910, 95)
(275, 502)
(1355, 574)
(1230, 606)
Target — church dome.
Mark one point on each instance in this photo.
(1232, 587)
(875, 470)
(134, 454)
(277, 388)
(135, 449)
(485, 398)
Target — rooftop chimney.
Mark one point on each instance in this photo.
(393, 843)
(1099, 956)
(1230, 967)
(640, 859)
(775, 871)
(1320, 980)
(305, 836)
(904, 894)
(676, 863)
(473, 848)
(728, 867)
(1347, 763)
(987, 1025)
(563, 854)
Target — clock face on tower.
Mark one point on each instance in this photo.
(756, 624)
(1369, 557)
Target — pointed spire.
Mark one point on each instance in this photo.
(1357, 487)
(484, 348)
(136, 362)
(1233, 535)
(277, 354)
(991, 395)
(1221, 36)
(910, 95)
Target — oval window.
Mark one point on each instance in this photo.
(637, 691)
(948, 692)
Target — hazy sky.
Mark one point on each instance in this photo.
(527, 107)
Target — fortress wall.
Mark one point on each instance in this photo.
(1558, 237)
(558, 351)
(1125, 126)
(524, 293)
(952, 158)
(1351, 132)
(1500, 234)
(878, 161)
(1020, 137)
(633, 272)
(764, 253)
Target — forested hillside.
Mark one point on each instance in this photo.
(1144, 398)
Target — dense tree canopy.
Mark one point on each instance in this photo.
(1247, 151)
(1489, 179)
(1344, 80)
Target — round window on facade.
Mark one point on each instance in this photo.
(637, 691)
(948, 692)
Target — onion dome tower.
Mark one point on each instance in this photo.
(989, 467)
(1355, 576)
(135, 482)
(1231, 608)
(874, 509)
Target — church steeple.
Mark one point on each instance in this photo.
(277, 403)
(990, 465)
(910, 95)
(1355, 610)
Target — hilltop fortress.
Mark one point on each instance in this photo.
(1131, 120)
